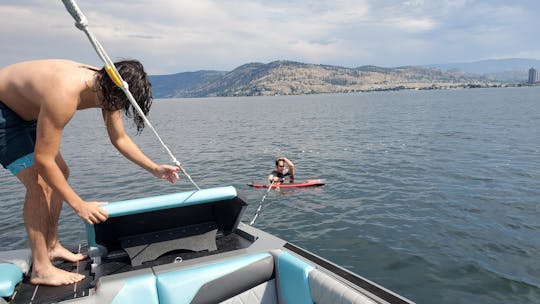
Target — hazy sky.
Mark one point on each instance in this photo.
(171, 36)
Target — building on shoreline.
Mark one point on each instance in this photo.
(533, 75)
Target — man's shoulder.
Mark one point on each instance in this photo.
(43, 62)
(42, 71)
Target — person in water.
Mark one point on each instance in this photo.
(280, 173)
(37, 100)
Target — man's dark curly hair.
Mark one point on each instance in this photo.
(132, 71)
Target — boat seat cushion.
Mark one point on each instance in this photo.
(215, 282)
(13, 265)
(10, 276)
(168, 201)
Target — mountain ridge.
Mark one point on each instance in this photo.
(286, 77)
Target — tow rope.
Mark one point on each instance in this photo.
(82, 24)
(261, 204)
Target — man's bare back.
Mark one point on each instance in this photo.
(25, 86)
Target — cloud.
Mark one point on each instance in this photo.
(170, 36)
(413, 25)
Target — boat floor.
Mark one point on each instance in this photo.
(116, 262)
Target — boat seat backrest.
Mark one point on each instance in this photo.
(215, 282)
(239, 279)
(292, 278)
(267, 278)
(209, 283)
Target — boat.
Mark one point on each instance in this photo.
(307, 183)
(189, 247)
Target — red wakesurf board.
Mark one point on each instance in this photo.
(307, 183)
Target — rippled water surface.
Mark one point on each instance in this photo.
(432, 194)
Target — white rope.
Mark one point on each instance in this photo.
(82, 23)
(261, 204)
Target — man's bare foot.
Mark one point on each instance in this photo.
(61, 253)
(55, 277)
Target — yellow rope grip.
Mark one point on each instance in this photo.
(114, 75)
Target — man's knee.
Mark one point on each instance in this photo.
(33, 182)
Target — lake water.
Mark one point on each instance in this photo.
(432, 194)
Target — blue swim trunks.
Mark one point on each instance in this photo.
(17, 140)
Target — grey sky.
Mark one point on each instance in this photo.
(171, 36)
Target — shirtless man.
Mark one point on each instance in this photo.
(37, 100)
(280, 173)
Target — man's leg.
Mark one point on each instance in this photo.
(37, 220)
(56, 250)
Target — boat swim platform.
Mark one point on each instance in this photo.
(190, 247)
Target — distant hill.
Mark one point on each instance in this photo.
(289, 78)
(180, 84)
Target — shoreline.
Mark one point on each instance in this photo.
(404, 87)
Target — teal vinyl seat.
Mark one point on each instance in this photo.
(277, 277)
(10, 276)
(14, 264)
(213, 282)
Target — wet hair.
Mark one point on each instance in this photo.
(132, 71)
(278, 160)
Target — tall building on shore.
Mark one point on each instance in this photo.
(533, 75)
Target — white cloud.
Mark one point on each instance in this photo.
(170, 36)
(413, 25)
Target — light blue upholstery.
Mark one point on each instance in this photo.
(10, 276)
(146, 204)
(182, 285)
(198, 283)
(293, 280)
(140, 289)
